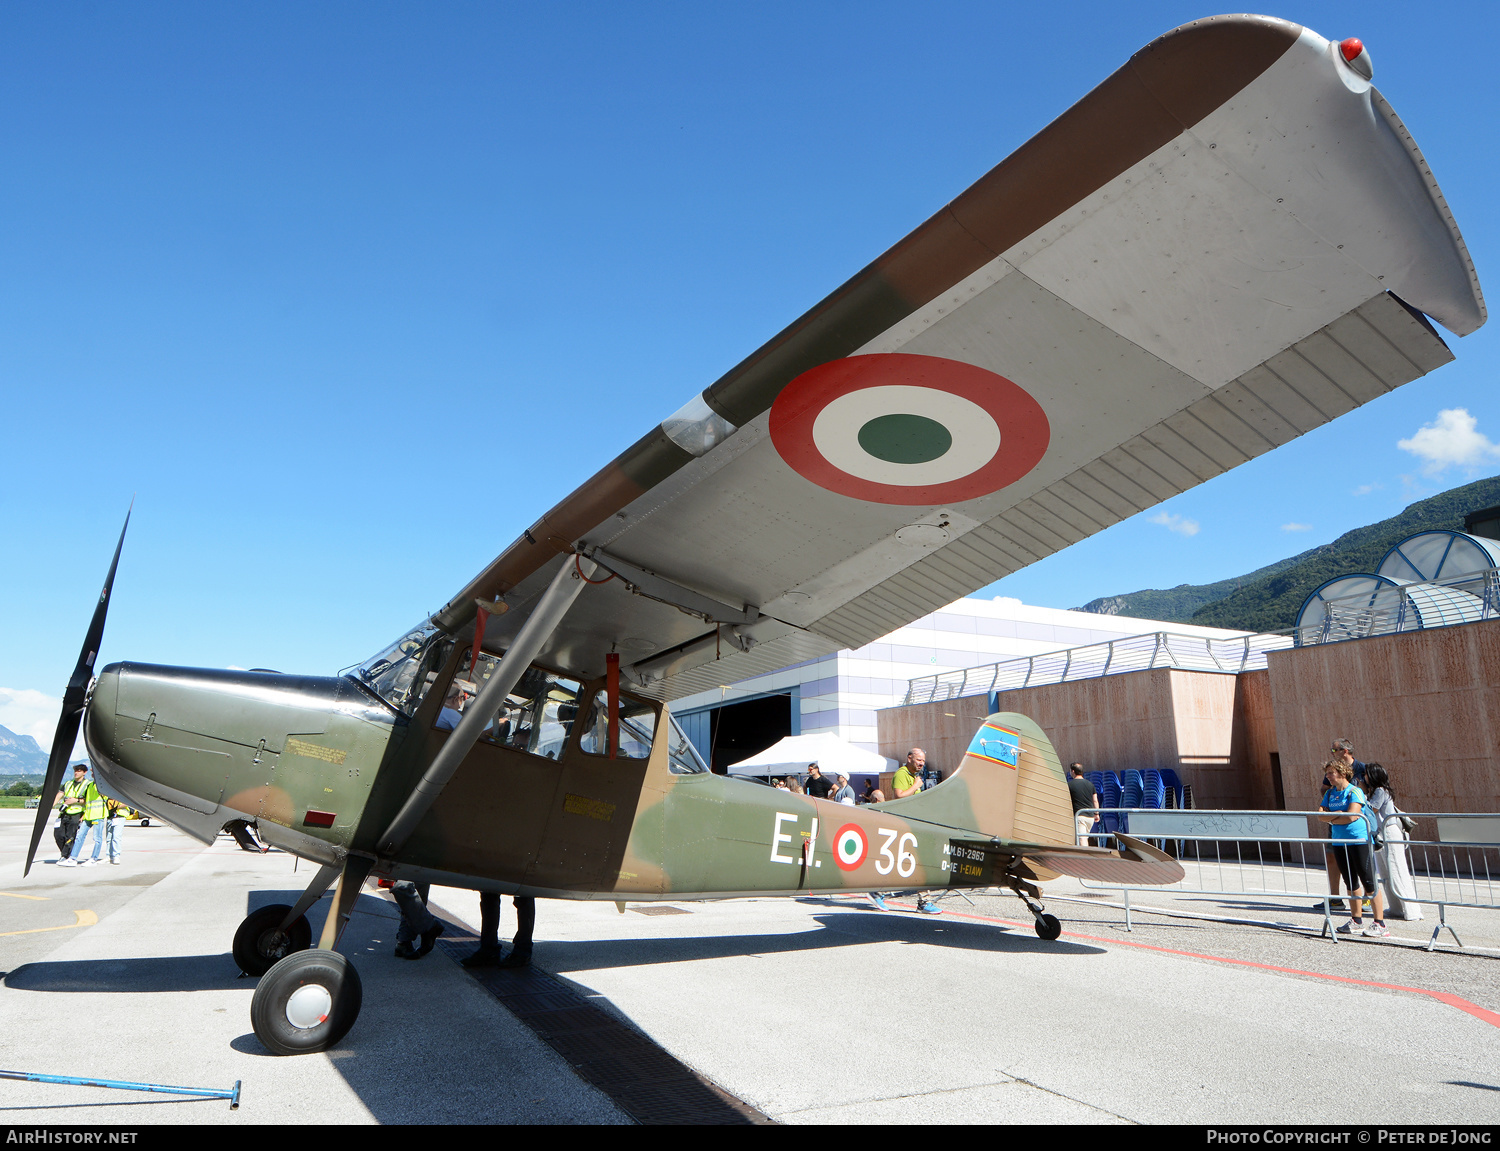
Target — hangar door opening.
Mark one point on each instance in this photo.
(734, 731)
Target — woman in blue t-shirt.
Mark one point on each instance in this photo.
(1350, 841)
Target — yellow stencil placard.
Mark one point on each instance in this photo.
(589, 808)
(315, 751)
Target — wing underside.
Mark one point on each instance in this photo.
(1230, 242)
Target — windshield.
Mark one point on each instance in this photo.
(402, 672)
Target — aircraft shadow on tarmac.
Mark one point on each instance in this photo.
(842, 928)
(129, 976)
(399, 1036)
(167, 972)
(850, 928)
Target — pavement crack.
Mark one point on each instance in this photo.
(1075, 1099)
(1009, 1079)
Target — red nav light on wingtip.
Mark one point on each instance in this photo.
(1354, 54)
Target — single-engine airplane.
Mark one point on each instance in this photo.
(1230, 241)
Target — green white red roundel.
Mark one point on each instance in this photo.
(849, 847)
(895, 428)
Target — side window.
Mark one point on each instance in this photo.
(552, 714)
(537, 716)
(637, 728)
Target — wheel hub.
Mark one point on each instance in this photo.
(308, 1006)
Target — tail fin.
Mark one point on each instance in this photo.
(1009, 785)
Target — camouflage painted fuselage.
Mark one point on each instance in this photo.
(322, 766)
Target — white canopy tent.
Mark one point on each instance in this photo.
(790, 756)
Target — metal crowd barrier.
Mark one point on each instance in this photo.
(1275, 855)
(1459, 868)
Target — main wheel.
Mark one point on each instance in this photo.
(260, 943)
(1048, 926)
(306, 1003)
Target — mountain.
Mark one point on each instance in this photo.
(1271, 603)
(20, 754)
(1178, 604)
(1269, 598)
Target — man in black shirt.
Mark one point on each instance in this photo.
(818, 785)
(1084, 796)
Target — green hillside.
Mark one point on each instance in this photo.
(1178, 604)
(1271, 602)
(1268, 598)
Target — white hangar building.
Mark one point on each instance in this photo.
(841, 692)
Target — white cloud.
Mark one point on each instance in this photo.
(1296, 527)
(34, 713)
(28, 712)
(1175, 523)
(1450, 439)
(1366, 489)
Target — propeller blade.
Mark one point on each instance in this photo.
(71, 718)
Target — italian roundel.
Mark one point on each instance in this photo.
(903, 429)
(849, 847)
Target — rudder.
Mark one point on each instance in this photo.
(1010, 785)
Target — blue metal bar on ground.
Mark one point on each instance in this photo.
(232, 1094)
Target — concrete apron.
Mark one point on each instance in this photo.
(828, 1011)
(151, 994)
(813, 1011)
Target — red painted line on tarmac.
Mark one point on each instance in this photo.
(1462, 1004)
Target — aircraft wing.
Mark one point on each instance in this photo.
(1229, 242)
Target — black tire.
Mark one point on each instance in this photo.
(1048, 926)
(145, 822)
(324, 977)
(259, 946)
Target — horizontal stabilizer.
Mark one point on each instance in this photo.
(1136, 863)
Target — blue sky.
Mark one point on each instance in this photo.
(346, 294)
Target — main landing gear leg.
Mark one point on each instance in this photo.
(1047, 926)
(272, 933)
(308, 1001)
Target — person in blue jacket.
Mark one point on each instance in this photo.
(1350, 842)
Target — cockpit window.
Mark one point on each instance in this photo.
(637, 732)
(401, 674)
(637, 728)
(536, 716)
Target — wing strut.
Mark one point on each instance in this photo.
(550, 609)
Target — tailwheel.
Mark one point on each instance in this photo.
(260, 943)
(306, 1003)
(1048, 926)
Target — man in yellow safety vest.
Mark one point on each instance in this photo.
(93, 825)
(114, 826)
(70, 806)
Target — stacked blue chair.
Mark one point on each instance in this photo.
(1109, 796)
(1154, 790)
(1096, 778)
(1173, 784)
(1130, 796)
